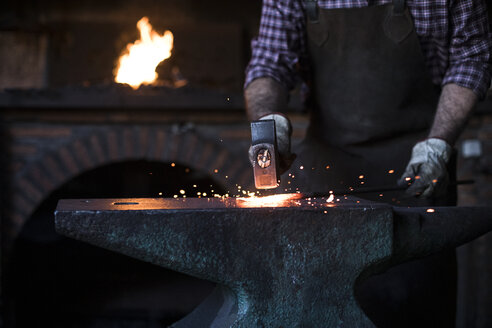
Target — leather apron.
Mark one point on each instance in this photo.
(373, 99)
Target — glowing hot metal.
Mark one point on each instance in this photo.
(280, 200)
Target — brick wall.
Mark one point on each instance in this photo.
(41, 157)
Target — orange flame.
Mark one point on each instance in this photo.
(137, 65)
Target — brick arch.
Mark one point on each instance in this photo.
(117, 144)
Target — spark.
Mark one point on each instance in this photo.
(391, 171)
(430, 210)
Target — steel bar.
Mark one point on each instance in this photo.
(377, 189)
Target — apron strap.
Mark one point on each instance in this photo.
(312, 10)
(398, 7)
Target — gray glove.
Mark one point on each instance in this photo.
(426, 173)
(283, 130)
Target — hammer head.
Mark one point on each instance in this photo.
(265, 156)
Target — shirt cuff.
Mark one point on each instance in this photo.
(473, 75)
(276, 74)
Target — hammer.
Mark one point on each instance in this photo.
(265, 155)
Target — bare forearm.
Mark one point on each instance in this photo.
(455, 107)
(265, 96)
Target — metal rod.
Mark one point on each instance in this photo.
(378, 189)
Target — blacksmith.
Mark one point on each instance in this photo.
(391, 85)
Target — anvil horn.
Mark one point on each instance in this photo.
(419, 232)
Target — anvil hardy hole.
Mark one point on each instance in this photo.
(56, 282)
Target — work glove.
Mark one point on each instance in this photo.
(283, 130)
(426, 173)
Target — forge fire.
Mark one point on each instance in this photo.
(137, 64)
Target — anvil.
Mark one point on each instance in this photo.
(289, 266)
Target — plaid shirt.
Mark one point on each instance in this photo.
(454, 34)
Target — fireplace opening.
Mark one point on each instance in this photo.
(59, 282)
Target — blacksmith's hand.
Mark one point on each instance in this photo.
(426, 173)
(283, 130)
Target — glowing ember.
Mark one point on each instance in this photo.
(430, 210)
(391, 171)
(280, 200)
(331, 198)
(137, 65)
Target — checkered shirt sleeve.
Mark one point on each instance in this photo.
(455, 36)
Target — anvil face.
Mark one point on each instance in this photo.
(294, 265)
(274, 201)
(289, 266)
